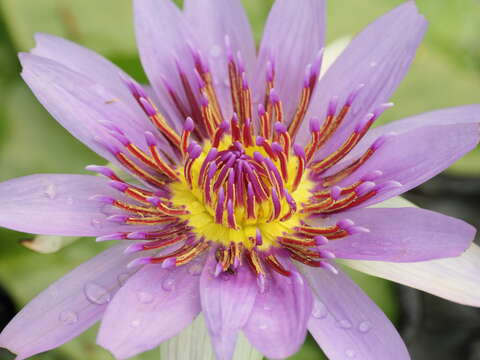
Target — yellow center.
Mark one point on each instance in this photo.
(201, 217)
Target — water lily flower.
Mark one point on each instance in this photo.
(251, 178)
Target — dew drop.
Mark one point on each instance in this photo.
(144, 297)
(350, 353)
(215, 51)
(96, 294)
(168, 284)
(263, 327)
(373, 63)
(364, 327)
(195, 269)
(69, 200)
(344, 324)
(319, 310)
(267, 308)
(68, 317)
(135, 323)
(50, 191)
(122, 278)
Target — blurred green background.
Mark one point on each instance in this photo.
(445, 73)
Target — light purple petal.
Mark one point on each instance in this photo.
(154, 305)
(378, 58)
(69, 306)
(55, 204)
(277, 325)
(455, 115)
(453, 279)
(212, 21)
(293, 36)
(227, 302)
(90, 64)
(469, 114)
(346, 323)
(80, 104)
(413, 157)
(164, 37)
(402, 235)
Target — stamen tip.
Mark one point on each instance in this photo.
(109, 237)
(118, 185)
(139, 261)
(150, 139)
(133, 248)
(120, 219)
(189, 124)
(169, 263)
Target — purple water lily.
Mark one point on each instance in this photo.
(251, 177)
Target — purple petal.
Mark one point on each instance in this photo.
(277, 325)
(455, 115)
(293, 36)
(164, 38)
(413, 157)
(402, 235)
(227, 302)
(55, 204)
(346, 323)
(154, 305)
(213, 21)
(453, 279)
(378, 58)
(469, 114)
(90, 64)
(69, 306)
(80, 104)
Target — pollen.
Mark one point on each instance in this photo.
(235, 182)
(237, 195)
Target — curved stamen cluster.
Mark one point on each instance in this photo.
(241, 185)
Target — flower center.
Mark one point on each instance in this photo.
(236, 183)
(242, 195)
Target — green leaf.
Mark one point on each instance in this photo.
(105, 26)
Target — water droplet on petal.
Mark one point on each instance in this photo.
(69, 200)
(195, 269)
(373, 63)
(122, 278)
(96, 294)
(364, 326)
(168, 284)
(267, 308)
(144, 297)
(350, 353)
(263, 327)
(215, 51)
(344, 324)
(135, 323)
(319, 310)
(68, 317)
(50, 191)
